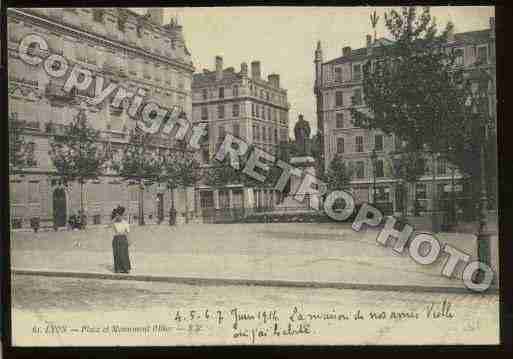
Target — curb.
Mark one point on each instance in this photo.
(247, 282)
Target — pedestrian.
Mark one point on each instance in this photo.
(120, 242)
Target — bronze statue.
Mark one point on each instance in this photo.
(302, 136)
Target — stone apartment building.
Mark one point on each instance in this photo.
(338, 87)
(248, 106)
(135, 51)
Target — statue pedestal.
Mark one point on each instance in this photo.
(306, 164)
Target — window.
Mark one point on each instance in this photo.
(339, 100)
(235, 91)
(98, 15)
(205, 155)
(459, 59)
(326, 100)
(262, 94)
(257, 110)
(205, 94)
(398, 143)
(378, 142)
(221, 92)
(482, 54)
(267, 95)
(340, 145)
(338, 74)
(207, 199)
(383, 194)
(359, 169)
(358, 144)
(204, 113)
(442, 166)
(220, 111)
(220, 133)
(236, 130)
(269, 113)
(253, 112)
(420, 191)
(357, 97)
(380, 169)
(33, 192)
(264, 137)
(276, 135)
(257, 133)
(263, 112)
(357, 72)
(339, 120)
(235, 110)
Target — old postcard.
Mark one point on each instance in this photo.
(253, 176)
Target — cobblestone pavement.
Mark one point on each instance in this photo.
(51, 311)
(298, 252)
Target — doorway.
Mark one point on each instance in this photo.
(59, 207)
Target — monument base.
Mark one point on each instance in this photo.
(312, 199)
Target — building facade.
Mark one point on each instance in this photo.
(132, 50)
(338, 88)
(246, 105)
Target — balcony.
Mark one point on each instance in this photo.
(55, 93)
(26, 125)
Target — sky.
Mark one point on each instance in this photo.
(283, 39)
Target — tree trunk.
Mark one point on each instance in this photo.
(186, 205)
(141, 204)
(82, 197)
(435, 218)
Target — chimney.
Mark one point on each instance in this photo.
(255, 69)
(346, 51)
(274, 80)
(244, 69)
(492, 27)
(219, 68)
(450, 35)
(156, 15)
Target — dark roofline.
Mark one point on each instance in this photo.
(361, 53)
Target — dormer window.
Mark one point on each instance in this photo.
(482, 54)
(338, 74)
(458, 57)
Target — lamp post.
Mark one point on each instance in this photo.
(396, 163)
(373, 160)
(479, 93)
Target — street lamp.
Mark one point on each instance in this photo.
(373, 158)
(481, 80)
(396, 164)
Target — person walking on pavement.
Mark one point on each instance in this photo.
(120, 242)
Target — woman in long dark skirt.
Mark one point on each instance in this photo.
(120, 241)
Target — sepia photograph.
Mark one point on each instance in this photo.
(263, 175)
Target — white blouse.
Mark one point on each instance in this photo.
(121, 227)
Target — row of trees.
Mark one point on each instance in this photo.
(80, 156)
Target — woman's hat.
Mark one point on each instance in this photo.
(118, 211)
